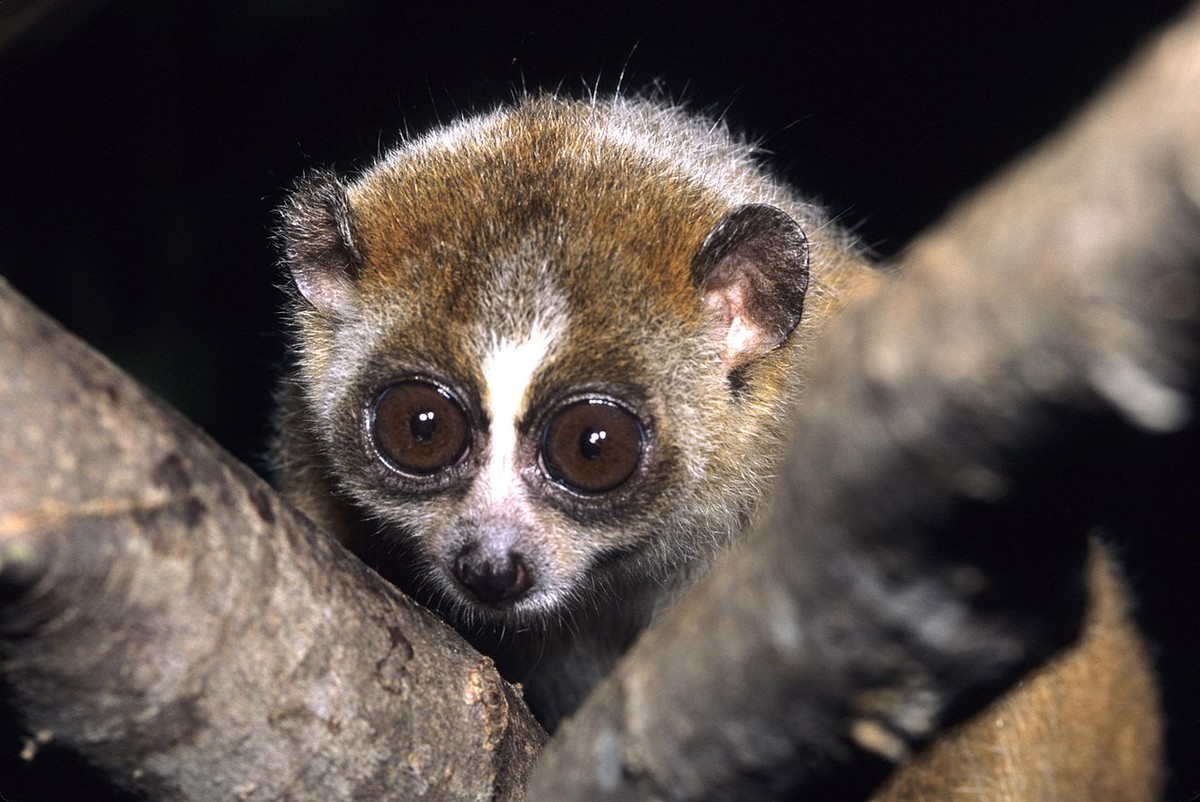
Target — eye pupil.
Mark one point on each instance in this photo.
(419, 428)
(424, 425)
(592, 446)
(591, 443)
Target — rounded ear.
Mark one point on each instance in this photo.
(316, 238)
(752, 271)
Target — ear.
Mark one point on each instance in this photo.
(316, 237)
(752, 271)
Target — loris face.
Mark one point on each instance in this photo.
(516, 474)
(523, 342)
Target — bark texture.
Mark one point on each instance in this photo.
(1058, 303)
(166, 616)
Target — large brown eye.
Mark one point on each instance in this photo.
(419, 427)
(592, 446)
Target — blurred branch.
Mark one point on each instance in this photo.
(1056, 303)
(165, 616)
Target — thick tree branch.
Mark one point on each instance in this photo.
(1053, 304)
(163, 614)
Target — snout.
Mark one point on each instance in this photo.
(495, 576)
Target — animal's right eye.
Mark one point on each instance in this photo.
(593, 446)
(419, 427)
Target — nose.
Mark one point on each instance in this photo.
(492, 578)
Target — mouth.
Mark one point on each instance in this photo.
(528, 607)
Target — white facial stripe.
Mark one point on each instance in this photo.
(508, 369)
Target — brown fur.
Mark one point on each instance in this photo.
(1085, 726)
(593, 214)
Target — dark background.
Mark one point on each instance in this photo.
(144, 145)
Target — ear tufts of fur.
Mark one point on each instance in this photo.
(752, 271)
(316, 238)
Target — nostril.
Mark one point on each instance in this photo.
(492, 578)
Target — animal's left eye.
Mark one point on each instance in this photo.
(592, 446)
(419, 427)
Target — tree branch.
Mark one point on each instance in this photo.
(164, 615)
(1059, 300)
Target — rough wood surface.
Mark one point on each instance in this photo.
(166, 616)
(1055, 305)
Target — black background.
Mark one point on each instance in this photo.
(144, 145)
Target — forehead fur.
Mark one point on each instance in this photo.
(569, 203)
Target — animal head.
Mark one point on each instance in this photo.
(532, 344)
